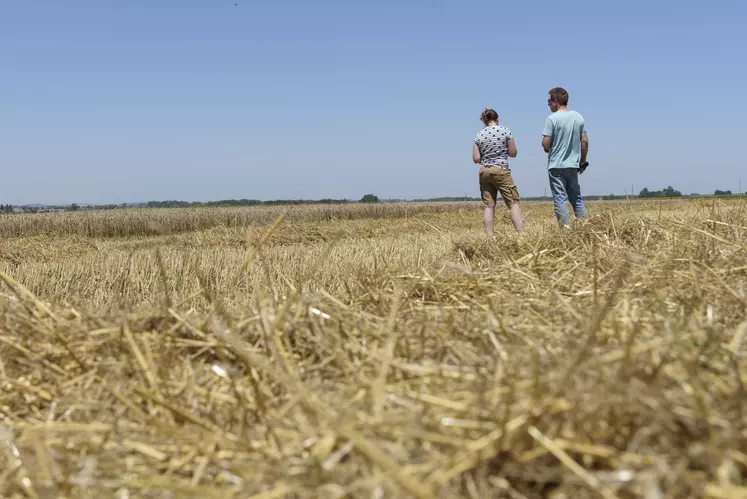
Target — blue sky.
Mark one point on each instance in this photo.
(135, 100)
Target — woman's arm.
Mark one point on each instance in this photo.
(512, 151)
(476, 154)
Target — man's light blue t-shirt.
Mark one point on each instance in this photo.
(565, 129)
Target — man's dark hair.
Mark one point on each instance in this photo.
(559, 95)
(488, 115)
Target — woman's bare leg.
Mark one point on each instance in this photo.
(515, 212)
(487, 216)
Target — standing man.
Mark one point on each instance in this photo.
(567, 145)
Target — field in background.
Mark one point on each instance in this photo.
(387, 350)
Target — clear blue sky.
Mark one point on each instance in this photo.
(136, 100)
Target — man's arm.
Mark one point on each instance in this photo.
(512, 151)
(547, 135)
(546, 143)
(584, 146)
(476, 154)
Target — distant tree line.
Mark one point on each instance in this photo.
(241, 202)
(446, 199)
(668, 192)
(671, 192)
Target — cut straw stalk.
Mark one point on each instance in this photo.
(572, 465)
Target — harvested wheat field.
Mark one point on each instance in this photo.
(379, 351)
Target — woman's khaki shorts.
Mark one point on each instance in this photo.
(494, 180)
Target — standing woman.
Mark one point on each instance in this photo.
(494, 144)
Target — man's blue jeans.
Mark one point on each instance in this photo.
(564, 186)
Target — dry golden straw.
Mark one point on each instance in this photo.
(388, 350)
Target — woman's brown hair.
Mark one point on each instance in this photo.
(488, 115)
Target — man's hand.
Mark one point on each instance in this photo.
(582, 168)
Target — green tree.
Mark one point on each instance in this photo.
(369, 198)
(669, 192)
(722, 193)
